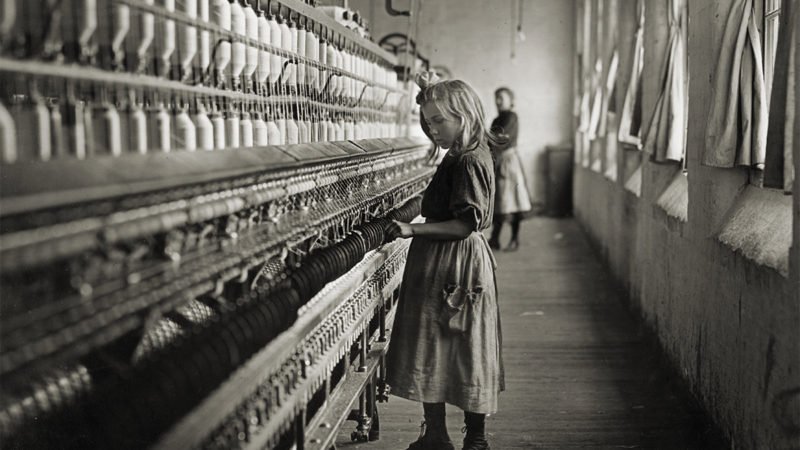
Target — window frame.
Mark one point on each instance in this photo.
(770, 24)
(769, 14)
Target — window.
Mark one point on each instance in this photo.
(666, 135)
(630, 124)
(582, 142)
(780, 51)
(772, 12)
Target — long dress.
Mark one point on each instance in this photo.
(446, 339)
(511, 195)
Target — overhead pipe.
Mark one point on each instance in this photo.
(395, 12)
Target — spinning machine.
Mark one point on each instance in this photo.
(193, 195)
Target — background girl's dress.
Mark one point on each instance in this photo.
(511, 195)
(446, 337)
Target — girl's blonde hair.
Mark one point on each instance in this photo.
(457, 100)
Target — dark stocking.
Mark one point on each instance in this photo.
(435, 436)
(475, 438)
(516, 219)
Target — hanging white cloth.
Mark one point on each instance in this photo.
(597, 100)
(737, 126)
(666, 134)
(630, 119)
(586, 87)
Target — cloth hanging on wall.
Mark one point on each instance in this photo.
(608, 92)
(597, 100)
(582, 137)
(598, 19)
(737, 126)
(779, 165)
(666, 134)
(630, 122)
(610, 62)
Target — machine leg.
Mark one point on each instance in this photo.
(362, 359)
(382, 337)
(300, 430)
(383, 388)
(375, 429)
(361, 434)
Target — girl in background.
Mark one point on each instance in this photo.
(511, 194)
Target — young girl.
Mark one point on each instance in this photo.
(511, 195)
(446, 339)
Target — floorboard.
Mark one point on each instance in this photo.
(580, 374)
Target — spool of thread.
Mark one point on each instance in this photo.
(312, 52)
(358, 131)
(187, 42)
(292, 132)
(300, 70)
(273, 133)
(8, 136)
(302, 132)
(76, 131)
(147, 33)
(122, 24)
(222, 48)
(204, 13)
(114, 133)
(43, 129)
(138, 130)
(57, 140)
(239, 50)
(251, 26)
(323, 131)
(88, 23)
(205, 129)
(218, 122)
(106, 131)
(7, 19)
(232, 131)
(282, 130)
(286, 44)
(161, 129)
(186, 134)
(264, 63)
(246, 127)
(349, 130)
(291, 70)
(346, 66)
(168, 39)
(322, 56)
(260, 132)
(332, 131)
(340, 132)
(309, 131)
(276, 39)
(89, 131)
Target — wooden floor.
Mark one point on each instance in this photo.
(579, 374)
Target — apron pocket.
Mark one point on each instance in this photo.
(458, 308)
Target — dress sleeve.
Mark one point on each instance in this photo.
(506, 126)
(472, 190)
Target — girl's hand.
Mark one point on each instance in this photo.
(397, 229)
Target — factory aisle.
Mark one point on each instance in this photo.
(578, 372)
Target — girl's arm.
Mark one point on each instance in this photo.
(449, 230)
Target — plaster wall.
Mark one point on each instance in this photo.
(473, 38)
(728, 323)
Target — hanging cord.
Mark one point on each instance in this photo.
(212, 61)
(411, 57)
